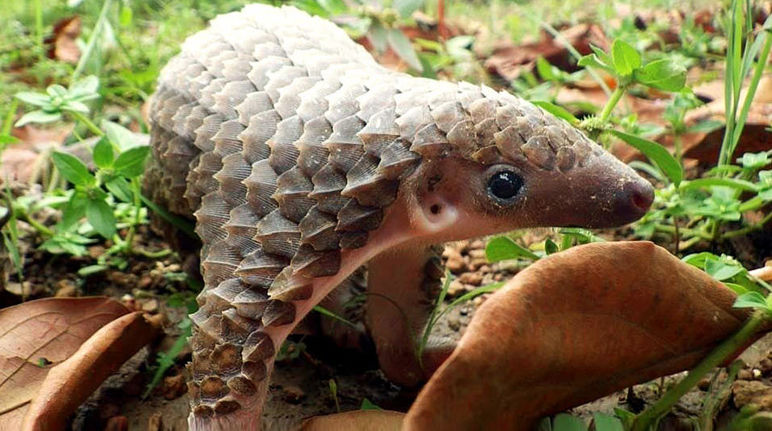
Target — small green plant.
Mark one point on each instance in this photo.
(566, 422)
(377, 20)
(110, 198)
(454, 55)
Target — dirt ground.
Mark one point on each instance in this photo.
(300, 387)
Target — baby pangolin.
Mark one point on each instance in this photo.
(302, 160)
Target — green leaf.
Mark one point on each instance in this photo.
(626, 58)
(550, 247)
(334, 7)
(75, 106)
(602, 55)
(662, 74)
(504, 248)
(721, 270)
(85, 89)
(607, 423)
(120, 188)
(131, 162)
(91, 270)
(725, 182)
(100, 215)
(705, 126)
(592, 60)
(73, 169)
(751, 300)
(126, 15)
(368, 405)
(378, 36)
(8, 139)
(658, 154)
(103, 153)
(544, 68)
(38, 116)
(565, 422)
(557, 111)
(73, 211)
(36, 99)
(404, 49)
(120, 136)
(407, 7)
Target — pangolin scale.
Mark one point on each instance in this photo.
(294, 149)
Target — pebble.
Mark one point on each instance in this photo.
(752, 392)
(150, 306)
(66, 289)
(473, 278)
(293, 394)
(174, 387)
(454, 323)
(456, 288)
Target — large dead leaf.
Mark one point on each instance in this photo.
(357, 420)
(574, 327)
(36, 336)
(71, 382)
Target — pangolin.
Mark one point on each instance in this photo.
(302, 159)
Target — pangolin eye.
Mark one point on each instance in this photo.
(504, 185)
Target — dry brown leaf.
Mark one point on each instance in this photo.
(62, 44)
(68, 384)
(37, 335)
(509, 60)
(357, 420)
(574, 327)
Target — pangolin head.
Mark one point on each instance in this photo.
(497, 163)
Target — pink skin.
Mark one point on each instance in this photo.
(434, 208)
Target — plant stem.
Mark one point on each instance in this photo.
(729, 346)
(748, 229)
(721, 392)
(137, 213)
(37, 225)
(751, 92)
(84, 58)
(89, 124)
(612, 102)
(39, 28)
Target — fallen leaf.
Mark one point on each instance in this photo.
(509, 60)
(357, 420)
(62, 44)
(38, 335)
(574, 327)
(69, 383)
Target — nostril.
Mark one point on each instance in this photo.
(642, 195)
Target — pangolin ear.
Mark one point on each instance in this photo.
(434, 214)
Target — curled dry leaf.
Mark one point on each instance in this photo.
(38, 335)
(68, 384)
(357, 420)
(63, 45)
(574, 327)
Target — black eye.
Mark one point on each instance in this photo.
(504, 185)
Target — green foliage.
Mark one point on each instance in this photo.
(167, 359)
(57, 101)
(566, 422)
(378, 21)
(504, 247)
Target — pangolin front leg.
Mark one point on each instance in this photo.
(302, 159)
(402, 287)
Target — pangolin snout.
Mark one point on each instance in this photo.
(633, 199)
